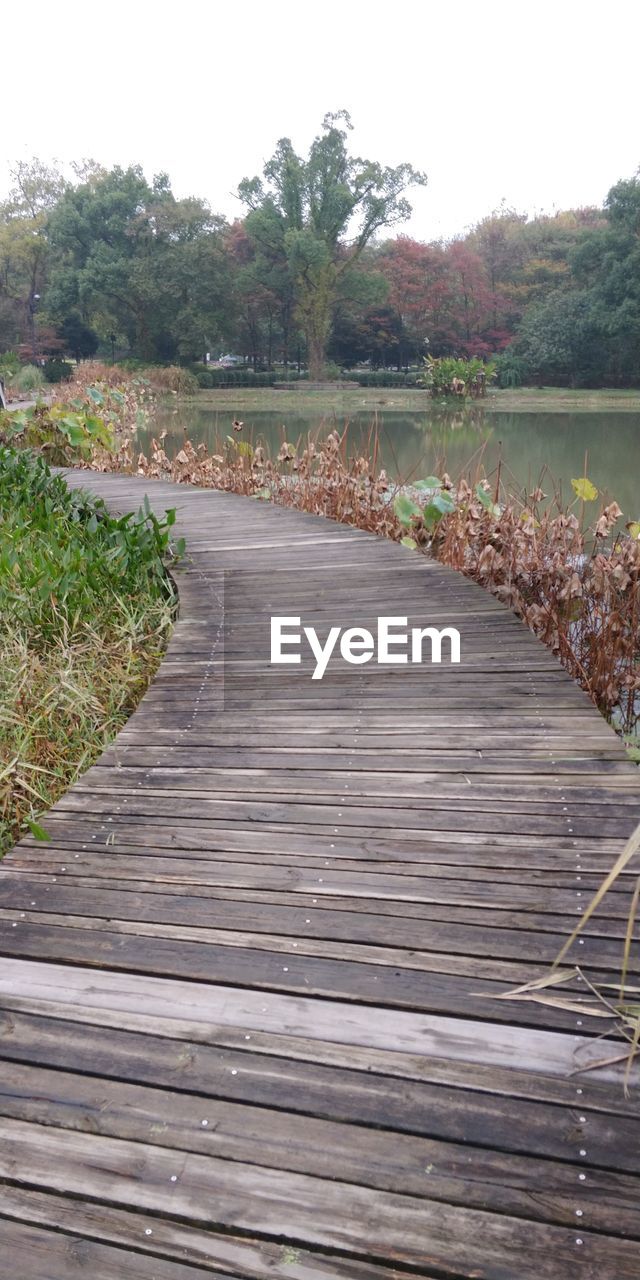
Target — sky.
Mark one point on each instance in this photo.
(534, 105)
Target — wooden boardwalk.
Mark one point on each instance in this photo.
(247, 993)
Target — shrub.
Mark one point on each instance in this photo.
(28, 378)
(511, 370)
(234, 378)
(172, 378)
(132, 364)
(57, 370)
(55, 533)
(384, 378)
(90, 372)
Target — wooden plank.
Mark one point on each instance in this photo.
(33, 986)
(282, 1206)
(34, 1253)
(441, 899)
(246, 1259)
(345, 980)
(293, 905)
(374, 1158)
(130, 1046)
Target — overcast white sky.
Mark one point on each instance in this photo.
(535, 103)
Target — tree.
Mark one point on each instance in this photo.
(25, 248)
(325, 209)
(561, 341)
(361, 317)
(79, 339)
(133, 260)
(262, 294)
(472, 299)
(498, 242)
(421, 291)
(607, 264)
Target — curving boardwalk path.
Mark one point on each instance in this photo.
(248, 1010)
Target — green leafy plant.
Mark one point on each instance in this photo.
(85, 608)
(64, 433)
(424, 518)
(452, 376)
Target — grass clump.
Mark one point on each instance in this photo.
(28, 378)
(85, 612)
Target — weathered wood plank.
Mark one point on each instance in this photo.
(34, 986)
(291, 906)
(246, 1259)
(290, 1206)
(381, 1158)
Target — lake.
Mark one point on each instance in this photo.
(418, 443)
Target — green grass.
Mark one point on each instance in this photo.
(557, 399)
(28, 379)
(527, 399)
(85, 612)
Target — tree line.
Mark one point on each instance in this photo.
(315, 273)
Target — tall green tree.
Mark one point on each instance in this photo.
(326, 209)
(607, 264)
(133, 260)
(560, 341)
(25, 247)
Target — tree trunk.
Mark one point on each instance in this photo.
(316, 356)
(315, 312)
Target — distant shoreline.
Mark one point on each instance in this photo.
(399, 399)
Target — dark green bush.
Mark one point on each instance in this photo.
(210, 378)
(383, 378)
(57, 370)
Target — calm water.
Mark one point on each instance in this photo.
(413, 444)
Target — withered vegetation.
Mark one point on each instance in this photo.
(569, 575)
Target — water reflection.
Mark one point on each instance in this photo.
(418, 443)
